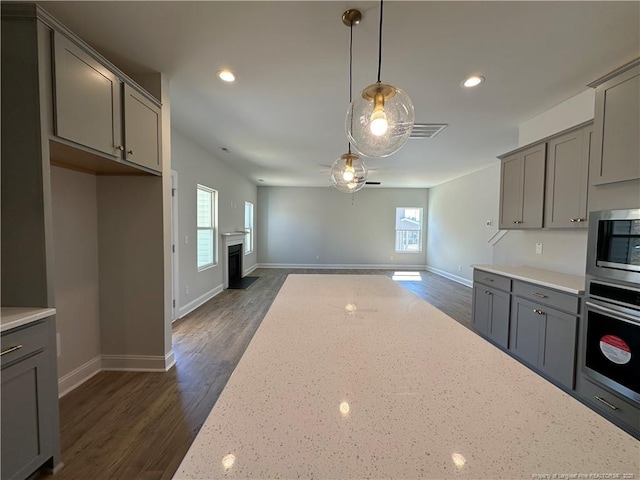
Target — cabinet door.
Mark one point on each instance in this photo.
(142, 124)
(87, 99)
(616, 154)
(522, 189)
(26, 438)
(567, 180)
(533, 186)
(511, 178)
(499, 317)
(481, 308)
(527, 329)
(559, 347)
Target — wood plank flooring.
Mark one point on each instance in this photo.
(139, 425)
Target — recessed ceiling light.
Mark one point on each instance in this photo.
(473, 81)
(226, 75)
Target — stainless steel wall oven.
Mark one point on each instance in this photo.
(611, 337)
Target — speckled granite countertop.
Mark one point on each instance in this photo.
(12, 317)
(353, 377)
(546, 278)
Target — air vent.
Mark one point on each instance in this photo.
(427, 130)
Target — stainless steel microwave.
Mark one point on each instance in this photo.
(613, 245)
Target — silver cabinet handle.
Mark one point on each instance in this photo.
(120, 147)
(539, 295)
(487, 292)
(602, 400)
(488, 279)
(517, 221)
(539, 312)
(580, 219)
(11, 349)
(130, 152)
(572, 220)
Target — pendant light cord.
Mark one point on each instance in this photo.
(350, 73)
(380, 42)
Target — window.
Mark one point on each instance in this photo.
(248, 228)
(206, 205)
(409, 229)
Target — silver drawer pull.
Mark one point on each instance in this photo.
(572, 220)
(539, 295)
(488, 279)
(11, 349)
(580, 219)
(487, 292)
(602, 400)
(517, 221)
(539, 312)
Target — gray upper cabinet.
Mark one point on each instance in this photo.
(87, 99)
(616, 149)
(96, 109)
(568, 179)
(522, 188)
(142, 130)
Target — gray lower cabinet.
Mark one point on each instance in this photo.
(522, 180)
(545, 338)
(491, 313)
(28, 401)
(491, 300)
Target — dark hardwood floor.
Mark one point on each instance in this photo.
(139, 425)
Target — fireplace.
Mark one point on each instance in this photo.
(234, 260)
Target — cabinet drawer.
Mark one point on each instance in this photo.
(596, 396)
(547, 296)
(23, 341)
(493, 280)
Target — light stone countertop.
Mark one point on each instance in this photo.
(12, 317)
(352, 376)
(547, 278)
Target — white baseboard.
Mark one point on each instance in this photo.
(169, 360)
(250, 269)
(326, 266)
(191, 306)
(134, 363)
(450, 276)
(78, 376)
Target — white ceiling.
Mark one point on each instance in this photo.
(283, 119)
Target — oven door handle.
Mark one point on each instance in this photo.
(621, 316)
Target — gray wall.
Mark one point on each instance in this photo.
(458, 212)
(197, 166)
(296, 225)
(75, 240)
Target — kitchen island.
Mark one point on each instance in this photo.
(355, 377)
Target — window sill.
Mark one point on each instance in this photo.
(206, 267)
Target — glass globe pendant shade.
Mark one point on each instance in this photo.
(379, 121)
(348, 173)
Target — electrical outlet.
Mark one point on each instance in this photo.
(539, 248)
(186, 239)
(58, 344)
(186, 290)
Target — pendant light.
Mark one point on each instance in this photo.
(380, 120)
(349, 173)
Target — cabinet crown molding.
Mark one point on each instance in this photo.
(617, 71)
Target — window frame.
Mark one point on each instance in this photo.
(248, 230)
(419, 230)
(213, 228)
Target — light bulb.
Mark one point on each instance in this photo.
(349, 173)
(378, 123)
